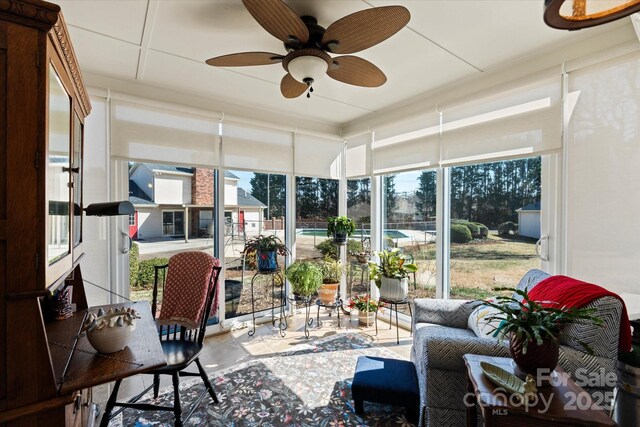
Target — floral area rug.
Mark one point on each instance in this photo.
(307, 386)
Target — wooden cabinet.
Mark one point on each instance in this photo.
(43, 104)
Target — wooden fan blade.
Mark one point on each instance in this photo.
(245, 59)
(291, 88)
(356, 71)
(278, 19)
(364, 29)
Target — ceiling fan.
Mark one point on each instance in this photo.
(309, 45)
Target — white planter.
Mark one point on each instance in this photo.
(366, 318)
(394, 289)
(110, 339)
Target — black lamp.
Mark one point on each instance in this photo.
(577, 14)
(123, 207)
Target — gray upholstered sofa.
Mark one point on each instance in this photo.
(441, 338)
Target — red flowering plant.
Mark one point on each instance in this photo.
(364, 303)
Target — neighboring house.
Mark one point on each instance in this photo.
(529, 220)
(177, 201)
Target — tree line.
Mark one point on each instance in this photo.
(488, 193)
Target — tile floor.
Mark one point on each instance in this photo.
(229, 349)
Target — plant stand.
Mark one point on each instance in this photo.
(364, 276)
(337, 305)
(392, 303)
(276, 279)
(308, 320)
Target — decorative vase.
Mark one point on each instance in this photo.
(267, 261)
(394, 289)
(340, 238)
(544, 356)
(366, 318)
(327, 293)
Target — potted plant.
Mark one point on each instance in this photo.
(340, 227)
(265, 249)
(305, 278)
(391, 274)
(533, 329)
(366, 307)
(331, 273)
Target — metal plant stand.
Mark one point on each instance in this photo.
(391, 304)
(306, 301)
(276, 280)
(336, 305)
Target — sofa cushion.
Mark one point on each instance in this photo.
(479, 322)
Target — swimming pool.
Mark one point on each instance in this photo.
(322, 232)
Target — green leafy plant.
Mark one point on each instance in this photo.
(393, 264)
(340, 225)
(328, 248)
(364, 303)
(264, 244)
(531, 321)
(305, 278)
(331, 270)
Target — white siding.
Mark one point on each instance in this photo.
(529, 224)
(230, 192)
(149, 223)
(172, 189)
(252, 219)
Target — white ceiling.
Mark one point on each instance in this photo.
(164, 43)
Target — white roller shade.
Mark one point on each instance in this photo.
(519, 119)
(358, 156)
(603, 177)
(417, 154)
(257, 149)
(317, 157)
(152, 134)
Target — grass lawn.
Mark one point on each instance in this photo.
(476, 267)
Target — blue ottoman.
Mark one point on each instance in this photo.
(388, 381)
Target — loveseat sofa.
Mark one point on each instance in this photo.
(441, 337)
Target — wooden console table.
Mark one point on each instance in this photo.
(496, 411)
(77, 365)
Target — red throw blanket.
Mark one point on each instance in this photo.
(567, 292)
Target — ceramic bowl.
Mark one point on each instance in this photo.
(110, 340)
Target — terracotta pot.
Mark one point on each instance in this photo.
(366, 318)
(394, 289)
(328, 292)
(543, 356)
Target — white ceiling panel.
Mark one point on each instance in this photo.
(166, 70)
(120, 19)
(487, 33)
(104, 55)
(445, 41)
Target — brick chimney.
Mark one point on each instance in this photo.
(202, 187)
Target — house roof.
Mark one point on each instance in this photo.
(530, 207)
(228, 174)
(137, 196)
(168, 168)
(246, 199)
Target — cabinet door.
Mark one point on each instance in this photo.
(58, 172)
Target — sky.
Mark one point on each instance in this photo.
(405, 182)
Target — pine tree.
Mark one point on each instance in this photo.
(391, 197)
(426, 196)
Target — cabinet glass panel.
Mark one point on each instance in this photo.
(58, 168)
(77, 180)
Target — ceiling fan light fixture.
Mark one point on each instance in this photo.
(578, 14)
(307, 68)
